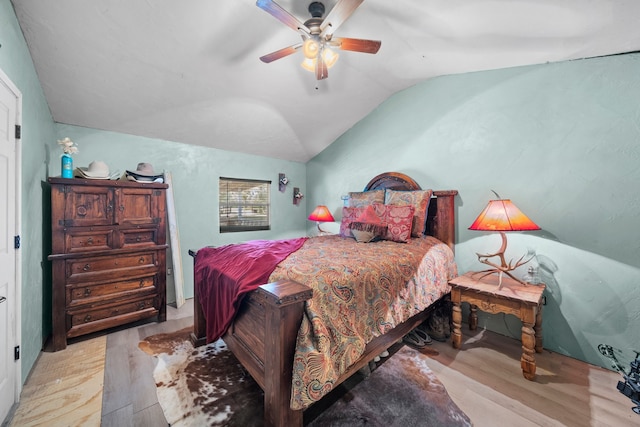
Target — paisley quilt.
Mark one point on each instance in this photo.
(360, 291)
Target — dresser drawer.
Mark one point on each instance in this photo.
(136, 237)
(126, 289)
(107, 316)
(93, 269)
(87, 240)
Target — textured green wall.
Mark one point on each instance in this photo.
(37, 131)
(562, 141)
(195, 171)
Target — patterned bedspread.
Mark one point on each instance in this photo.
(361, 290)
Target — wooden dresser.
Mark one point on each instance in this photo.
(108, 255)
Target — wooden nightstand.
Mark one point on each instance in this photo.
(525, 302)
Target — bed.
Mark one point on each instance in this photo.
(264, 335)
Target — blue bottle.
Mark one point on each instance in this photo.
(67, 166)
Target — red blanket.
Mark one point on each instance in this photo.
(225, 274)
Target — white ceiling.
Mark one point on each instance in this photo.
(188, 71)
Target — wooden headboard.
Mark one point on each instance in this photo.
(441, 220)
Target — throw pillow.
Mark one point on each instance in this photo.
(363, 236)
(365, 198)
(368, 226)
(349, 215)
(419, 199)
(398, 219)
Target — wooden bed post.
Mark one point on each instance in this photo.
(445, 227)
(199, 333)
(283, 315)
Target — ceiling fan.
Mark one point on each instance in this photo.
(317, 35)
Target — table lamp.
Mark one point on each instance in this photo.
(502, 215)
(321, 214)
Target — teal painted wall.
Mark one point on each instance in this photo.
(562, 141)
(37, 130)
(195, 171)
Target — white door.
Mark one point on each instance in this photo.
(8, 301)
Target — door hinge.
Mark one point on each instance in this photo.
(16, 242)
(16, 352)
(18, 131)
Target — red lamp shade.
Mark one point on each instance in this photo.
(321, 214)
(503, 215)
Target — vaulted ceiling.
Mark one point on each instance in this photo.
(188, 71)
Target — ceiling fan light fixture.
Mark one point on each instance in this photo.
(309, 64)
(310, 48)
(329, 56)
(317, 34)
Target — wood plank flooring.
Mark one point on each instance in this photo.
(62, 393)
(483, 378)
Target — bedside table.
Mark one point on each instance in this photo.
(525, 302)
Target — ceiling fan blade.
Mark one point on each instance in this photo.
(340, 12)
(275, 10)
(356, 45)
(270, 57)
(322, 72)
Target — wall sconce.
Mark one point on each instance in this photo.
(282, 182)
(297, 195)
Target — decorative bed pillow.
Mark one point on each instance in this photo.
(368, 226)
(364, 236)
(349, 215)
(365, 198)
(399, 220)
(419, 199)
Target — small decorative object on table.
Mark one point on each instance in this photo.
(66, 162)
(532, 277)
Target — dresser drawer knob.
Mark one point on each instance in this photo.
(90, 241)
(141, 305)
(86, 267)
(87, 318)
(141, 260)
(142, 283)
(138, 239)
(87, 292)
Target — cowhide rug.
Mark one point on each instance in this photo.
(207, 386)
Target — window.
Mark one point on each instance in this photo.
(244, 205)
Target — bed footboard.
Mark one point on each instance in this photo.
(263, 339)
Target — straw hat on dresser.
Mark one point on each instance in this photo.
(144, 173)
(96, 170)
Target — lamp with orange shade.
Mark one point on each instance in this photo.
(502, 215)
(321, 214)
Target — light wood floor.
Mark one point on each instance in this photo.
(483, 378)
